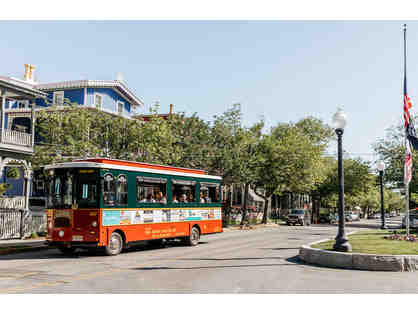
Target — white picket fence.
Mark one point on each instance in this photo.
(17, 202)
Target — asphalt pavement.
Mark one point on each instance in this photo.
(246, 261)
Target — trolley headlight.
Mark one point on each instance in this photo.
(61, 233)
(94, 223)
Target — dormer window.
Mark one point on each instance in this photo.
(119, 105)
(98, 100)
(58, 98)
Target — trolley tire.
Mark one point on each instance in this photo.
(66, 250)
(194, 237)
(115, 245)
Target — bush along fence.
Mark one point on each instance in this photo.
(19, 224)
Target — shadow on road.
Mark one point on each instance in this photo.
(227, 259)
(279, 248)
(209, 267)
(52, 253)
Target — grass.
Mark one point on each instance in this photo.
(373, 242)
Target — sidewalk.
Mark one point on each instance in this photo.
(15, 246)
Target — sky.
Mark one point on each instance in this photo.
(279, 71)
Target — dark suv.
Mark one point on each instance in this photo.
(299, 216)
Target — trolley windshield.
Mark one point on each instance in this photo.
(73, 188)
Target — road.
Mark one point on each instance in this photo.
(249, 261)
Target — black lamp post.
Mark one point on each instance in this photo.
(381, 168)
(341, 241)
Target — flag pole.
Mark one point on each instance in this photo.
(406, 140)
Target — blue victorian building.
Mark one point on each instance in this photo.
(19, 100)
(111, 96)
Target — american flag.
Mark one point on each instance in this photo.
(408, 165)
(409, 121)
(407, 104)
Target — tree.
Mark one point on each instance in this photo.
(235, 149)
(391, 149)
(288, 161)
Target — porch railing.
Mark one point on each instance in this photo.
(17, 202)
(17, 138)
(18, 223)
(11, 223)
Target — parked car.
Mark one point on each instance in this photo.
(352, 216)
(325, 218)
(413, 220)
(299, 216)
(376, 216)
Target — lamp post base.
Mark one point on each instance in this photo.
(342, 246)
(383, 227)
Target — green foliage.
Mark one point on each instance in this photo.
(391, 149)
(13, 173)
(289, 158)
(4, 187)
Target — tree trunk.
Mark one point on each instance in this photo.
(266, 206)
(245, 209)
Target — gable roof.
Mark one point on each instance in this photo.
(116, 85)
(20, 89)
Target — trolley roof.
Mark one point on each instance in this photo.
(107, 163)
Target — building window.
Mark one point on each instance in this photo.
(98, 100)
(58, 98)
(119, 105)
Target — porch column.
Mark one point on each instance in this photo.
(3, 106)
(27, 182)
(32, 117)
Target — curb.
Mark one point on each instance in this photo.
(15, 250)
(358, 261)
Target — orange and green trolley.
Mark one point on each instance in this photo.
(112, 204)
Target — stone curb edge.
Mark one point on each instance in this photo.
(14, 250)
(358, 261)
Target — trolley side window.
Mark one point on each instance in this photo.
(209, 192)
(151, 190)
(183, 191)
(108, 190)
(122, 190)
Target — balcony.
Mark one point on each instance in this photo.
(16, 141)
(16, 124)
(17, 138)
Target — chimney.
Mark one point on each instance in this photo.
(171, 109)
(29, 69)
(26, 77)
(119, 77)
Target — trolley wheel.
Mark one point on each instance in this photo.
(115, 244)
(194, 237)
(66, 250)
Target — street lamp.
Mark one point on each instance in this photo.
(339, 121)
(381, 168)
